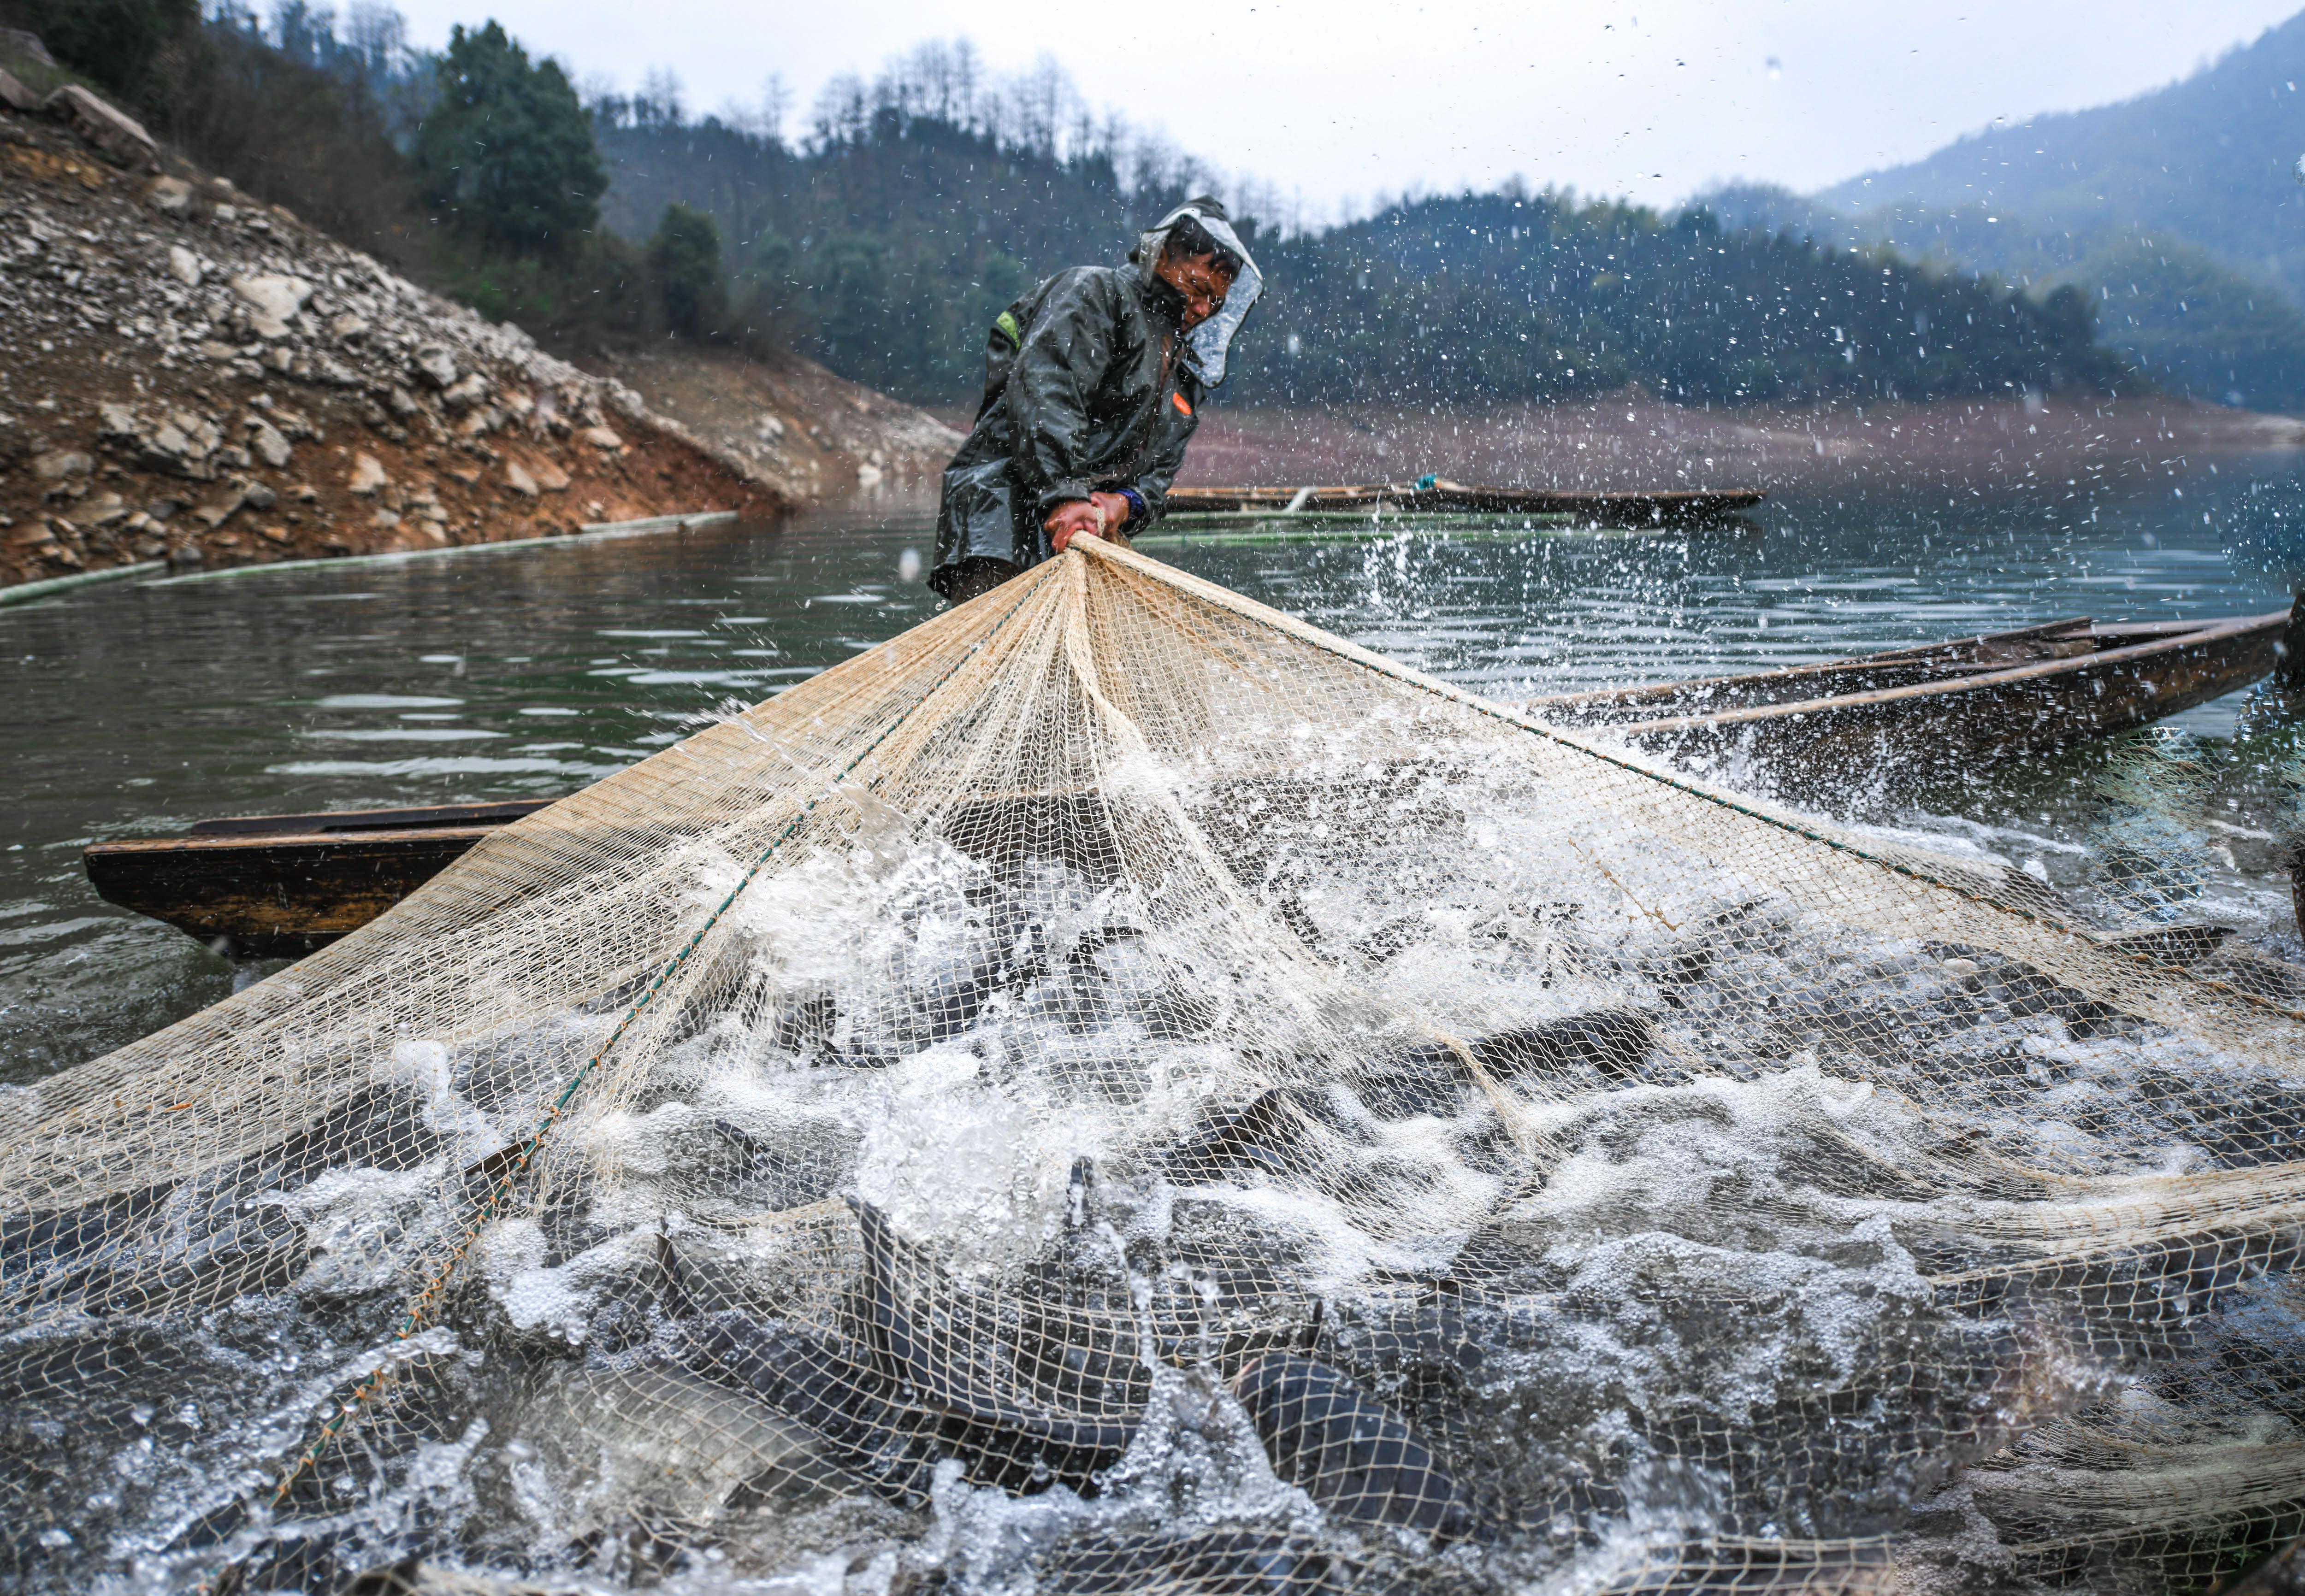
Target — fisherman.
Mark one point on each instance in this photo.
(1092, 384)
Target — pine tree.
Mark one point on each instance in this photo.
(508, 148)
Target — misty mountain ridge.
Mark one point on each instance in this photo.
(2177, 210)
(2211, 159)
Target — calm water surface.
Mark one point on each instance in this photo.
(133, 711)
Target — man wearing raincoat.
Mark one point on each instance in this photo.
(1092, 384)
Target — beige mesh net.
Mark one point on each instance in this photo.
(1116, 1089)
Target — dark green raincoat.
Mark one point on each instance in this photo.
(1089, 387)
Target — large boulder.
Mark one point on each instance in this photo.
(272, 301)
(27, 46)
(14, 95)
(110, 130)
(170, 196)
(436, 366)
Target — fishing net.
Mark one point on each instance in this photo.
(1116, 1089)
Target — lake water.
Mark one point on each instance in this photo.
(135, 710)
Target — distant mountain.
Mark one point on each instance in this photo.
(2179, 211)
(2211, 159)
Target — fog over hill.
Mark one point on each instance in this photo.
(2178, 209)
(2211, 158)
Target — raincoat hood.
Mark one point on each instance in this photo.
(1210, 340)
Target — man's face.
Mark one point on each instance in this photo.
(1202, 282)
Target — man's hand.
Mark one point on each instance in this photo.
(1092, 517)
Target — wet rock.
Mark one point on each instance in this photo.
(518, 479)
(368, 476)
(113, 132)
(59, 463)
(184, 265)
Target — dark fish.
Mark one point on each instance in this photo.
(1430, 1078)
(1348, 1451)
(1013, 1445)
(1611, 1042)
(868, 1427)
(1218, 1562)
(2176, 945)
(132, 1249)
(1394, 937)
(1291, 913)
(1260, 1137)
(404, 1578)
(807, 1022)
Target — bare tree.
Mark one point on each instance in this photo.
(776, 107)
(662, 95)
(378, 35)
(843, 110)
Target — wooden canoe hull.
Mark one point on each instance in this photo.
(1675, 507)
(274, 896)
(283, 886)
(1940, 729)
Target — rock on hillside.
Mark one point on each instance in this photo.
(187, 373)
(803, 429)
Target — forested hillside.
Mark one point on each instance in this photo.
(886, 240)
(884, 236)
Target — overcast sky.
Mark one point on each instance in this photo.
(1338, 100)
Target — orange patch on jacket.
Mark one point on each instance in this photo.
(1179, 401)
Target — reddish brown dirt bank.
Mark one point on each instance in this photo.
(1638, 443)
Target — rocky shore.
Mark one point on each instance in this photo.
(190, 376)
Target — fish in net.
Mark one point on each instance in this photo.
(1117, 1090)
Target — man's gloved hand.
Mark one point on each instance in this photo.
(1093, 516)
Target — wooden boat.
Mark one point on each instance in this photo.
(1949, 708)
(281, 885)
(1435, 495)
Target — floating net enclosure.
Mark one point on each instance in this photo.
(1116, 1089)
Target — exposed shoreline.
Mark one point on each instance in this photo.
(1630, 441)
(188, 375)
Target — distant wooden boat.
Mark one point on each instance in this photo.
(282, 886)
(1435, 495)
(1946, 708)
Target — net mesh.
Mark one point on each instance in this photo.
(1117, 1089)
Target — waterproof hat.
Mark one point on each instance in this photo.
(1212, 340)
